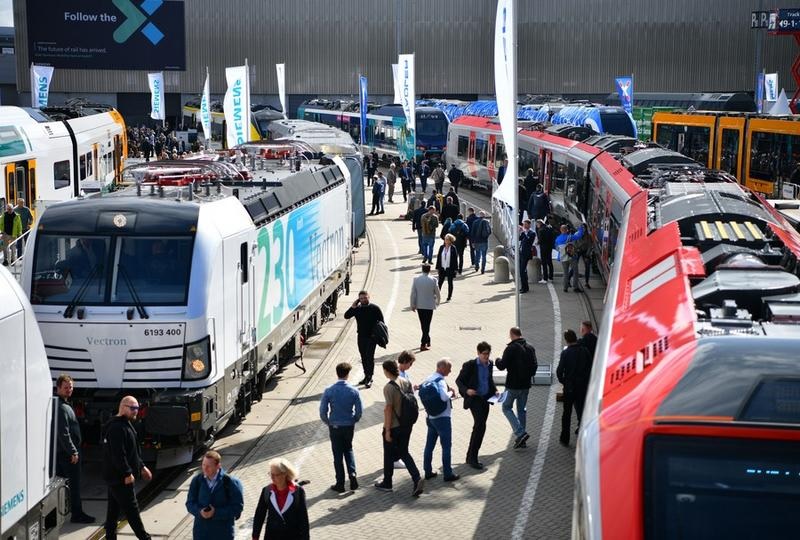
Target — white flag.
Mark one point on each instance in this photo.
(205, 109)
(395, 84)
(771, 87)
(237, 105)
(505, 84)
(156, 82)
(407, 93)
(280, 68)
(40, 85)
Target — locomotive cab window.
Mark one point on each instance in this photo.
(61, 174)
(463, 145)
(773, 155)
(691, 141)
(729, 159)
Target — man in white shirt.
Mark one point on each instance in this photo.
(435, 396)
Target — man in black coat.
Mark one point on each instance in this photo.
(574, 369)
(547, 240)
(68, 457)
(588, 338)
(526, 250)
(122, 465)
(476, 386)
(367, 316)
(520, 360)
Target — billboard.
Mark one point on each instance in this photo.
(107, 34)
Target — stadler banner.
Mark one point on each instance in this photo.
(156, 83)
(40, 85)
(237, 105)
(107, 34)
(408, 137)
(205, 110)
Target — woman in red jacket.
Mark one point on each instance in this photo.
(283, 504)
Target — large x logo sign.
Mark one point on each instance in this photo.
(134, 20)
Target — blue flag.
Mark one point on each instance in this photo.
(362, 98)
(625, 91)
(760, 93)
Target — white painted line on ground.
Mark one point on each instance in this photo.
(387, 315)
(528, 497)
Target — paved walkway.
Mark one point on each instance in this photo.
(521, 494)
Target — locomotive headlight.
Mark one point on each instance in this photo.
(197, 359)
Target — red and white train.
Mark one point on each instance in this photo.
(691, 427)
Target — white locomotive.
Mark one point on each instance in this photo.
(28, 487)
(187, 297)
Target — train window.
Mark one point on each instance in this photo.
(65, 265)
(61, 174)
(729, 159)
(82, 167)
(703, 487)
(691, 141)
(773, 155)
(244, 264)
(156, 269)
(11, 142)
(89, 167)
(480, 151)
(527, 160)
(463, 145)
(559, 176)
(500, 155)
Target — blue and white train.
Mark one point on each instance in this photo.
(187, 295)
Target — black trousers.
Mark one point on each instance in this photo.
(571, 400)
(425, 318)
(444, 274)
(406, 185)
(460, 250)
(398, 449)
(547, 263)
(123, 497)
(523, 273)
(342, 448)
(375, 204)
(479, 408)
(72, 472)
(366, 348)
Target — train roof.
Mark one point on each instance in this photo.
(640, 161)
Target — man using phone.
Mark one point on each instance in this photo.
(215, 499)
(367, 316)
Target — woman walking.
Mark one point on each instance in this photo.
(447, 263)
(283, 504)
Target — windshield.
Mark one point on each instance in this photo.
(617, 123)
(432, 127)
(156, 268)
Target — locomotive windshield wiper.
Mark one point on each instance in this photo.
(81, 291)
(137, 302)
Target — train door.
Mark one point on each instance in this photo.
(95, 168)
(490, 159)
(546, 161)
(117, 159)
(21, 181)
(472, 170)
(728, 151)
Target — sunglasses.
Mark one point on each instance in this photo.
(133, 407)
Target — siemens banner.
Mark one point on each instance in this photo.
(107, 34)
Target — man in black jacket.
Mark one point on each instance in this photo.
(520, 360)
(367, 316)
(588, 338)
(573, 372)
(68, 457)
(547, 240)
(122, 465)
(476, 386)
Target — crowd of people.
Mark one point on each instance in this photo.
(160, 142)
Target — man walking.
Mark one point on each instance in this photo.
(573, 371)
(547, 240)
(438, 178)
(391, 180)
(382, 194)
(416, 225)
(519, 359)
(455, 176)
(425, 297)
(68, 457)
(476, 386)
(10, 230)
(588, 338)
(526, 239)
(429, 223)
(435, 396)
(480, 239)
(26, 219)
(340, 409)
(122, 465)
(397, 430)
(470, 221)
(367, 316)
(215, 499)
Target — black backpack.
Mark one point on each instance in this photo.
(409, 408)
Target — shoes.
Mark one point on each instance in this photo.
(542, 281)
(476, 465)
(429, 475)
(577, 429)
(337, 488)
(399, 464)
(419, 487)
(353, 483)
(82, 518)
(483, 271)
(565, 290)
(380, 486)
(451, 478)
(578, 290)
(362, 381)
(368, 384)
(562, 442)
(521, 440)
(424, 348)
(587, 285)
(523, 291)
(476, 268)
(523, 444)
(449, 298)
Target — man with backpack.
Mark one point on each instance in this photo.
(429, 223)
(215, 499)
(435, 396)
(479, 236)
(399, 415)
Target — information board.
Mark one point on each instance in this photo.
(107, 34)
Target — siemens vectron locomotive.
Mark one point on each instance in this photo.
(187, 292)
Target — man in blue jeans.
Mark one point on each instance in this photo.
(438, 421)
(340, 409)
(429, 223)
(519, 359)
(480, 232)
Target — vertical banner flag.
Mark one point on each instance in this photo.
(156, 82)
(205, 110)
(362, 106)
(237, 105)
(395, 85)
(771, 86)
(279, 68)
(40, 85)
(405, 66)
(505, 87)
(760, 93)
(625, 91)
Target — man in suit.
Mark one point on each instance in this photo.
(425, 297)
(574, 368)
(476, 386)
(588, 338)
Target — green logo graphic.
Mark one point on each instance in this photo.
(135, 18)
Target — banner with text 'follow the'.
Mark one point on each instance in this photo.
(237, 105)
(156, 83)
(205, 109)
(408, 94)
(40, 85)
